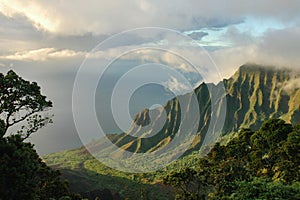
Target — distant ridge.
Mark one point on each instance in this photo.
(254, 93)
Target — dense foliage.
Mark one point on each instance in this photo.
(24, 175)
(254, 165)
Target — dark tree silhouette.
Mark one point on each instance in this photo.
(23, 174)
(21, 103)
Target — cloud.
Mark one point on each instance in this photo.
(276, 48)
(107, 17)
(72, 29)
(40, 18)
(42, 54)
(146, 55)
(176, 86)
(198, 35)
(237, 37)
(292, 85)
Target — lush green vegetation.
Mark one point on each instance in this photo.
(254, 165)
(261, 164)
(85, 173)
(253, 94)
(266, 161)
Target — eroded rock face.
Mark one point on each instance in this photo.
(253, 94)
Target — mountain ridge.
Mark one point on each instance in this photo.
(253, 94)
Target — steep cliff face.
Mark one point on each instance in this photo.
(153, 129)
(253, 94)
(256, 93)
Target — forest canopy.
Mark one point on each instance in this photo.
(254, 165)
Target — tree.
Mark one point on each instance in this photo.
(191, 184)
(254, 165)
(21, 103)
(260, 189)
(23, 174)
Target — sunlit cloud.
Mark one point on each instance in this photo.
(176, 86)
(40, 17)
(79, 17)
(42, 54)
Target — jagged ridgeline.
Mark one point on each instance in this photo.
(253, 94)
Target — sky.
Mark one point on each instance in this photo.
(48, 41)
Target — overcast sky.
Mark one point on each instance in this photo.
(47, 41)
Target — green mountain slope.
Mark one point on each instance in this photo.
(259, 93)
(253, 94)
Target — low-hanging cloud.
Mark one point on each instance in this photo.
(292, 85)
(176, 86)
(42, 54)
(275, 48)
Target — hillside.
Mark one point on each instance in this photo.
(254, 165)
(253, 94)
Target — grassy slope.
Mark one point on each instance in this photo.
(84, 173)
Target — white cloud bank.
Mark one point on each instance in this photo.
(106, 17)
(274, 47)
